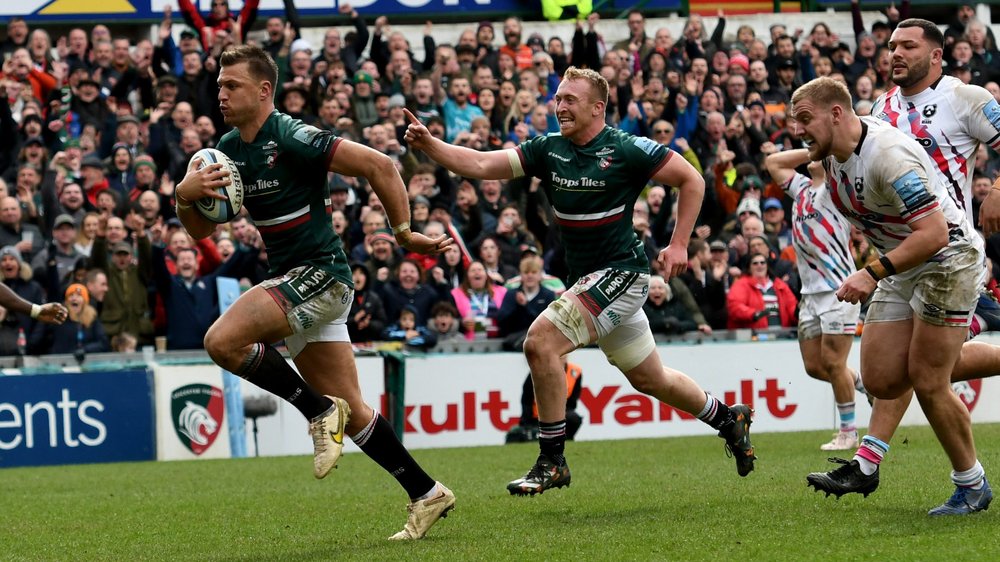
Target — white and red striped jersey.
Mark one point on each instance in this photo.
(949, 120)
(887, 184)
(820, 235)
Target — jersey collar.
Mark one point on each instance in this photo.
(861, 140)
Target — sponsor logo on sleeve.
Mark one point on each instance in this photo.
(992, 112)
(647, 145)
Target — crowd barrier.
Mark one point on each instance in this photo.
(183, 408)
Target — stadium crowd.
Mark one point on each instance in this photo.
(97, 129)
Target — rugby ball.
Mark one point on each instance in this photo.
(219, 210)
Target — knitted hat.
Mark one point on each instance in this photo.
(78, 289)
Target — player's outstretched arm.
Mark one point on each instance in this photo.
(493, 165)
(680, 173)
(50, 313)
(353, 159)
(781, 165)
(197, 184)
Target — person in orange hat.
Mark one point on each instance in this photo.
(82, 330)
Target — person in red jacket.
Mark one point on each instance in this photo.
(759, 300)
(219, 18)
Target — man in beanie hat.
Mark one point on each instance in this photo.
(21, 296)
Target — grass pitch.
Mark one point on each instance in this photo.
(650, 499)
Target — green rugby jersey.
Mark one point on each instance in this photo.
(592, 189)
(285, 189)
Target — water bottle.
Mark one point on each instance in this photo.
(22, 343)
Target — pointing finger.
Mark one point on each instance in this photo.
(412, 117)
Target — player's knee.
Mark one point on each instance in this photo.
(885, 389)
(535, 347)
(814, 369)
(216, 347)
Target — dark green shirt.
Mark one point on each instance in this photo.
(593, 189)
(284, 172)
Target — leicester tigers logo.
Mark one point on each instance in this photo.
(197, 411)
(605, 163)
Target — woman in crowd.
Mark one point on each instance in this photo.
(82, 330)
(489, 256)
(478, 301)
(759, 300)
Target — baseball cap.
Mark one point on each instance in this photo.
(174, 221)
(64, 219)
(786, 63)
(748, 205)
(188, 33)
(485, 23)
(535, 39)
(529, 250)
(166, 79)
(717, 246)
(121, 248)
(34, 140)
(772, 203)
(959, 66)
(91, 160)
(128, 119)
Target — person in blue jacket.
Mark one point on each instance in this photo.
(191, 300)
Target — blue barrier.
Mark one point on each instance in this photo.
(77, 418)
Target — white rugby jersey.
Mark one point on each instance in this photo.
(888, 183)
(949, 119)
(820, 235)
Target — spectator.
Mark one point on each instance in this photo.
(367, 317)
(59, 258)
(191, 300)
(407, 287)
(406, 330)
(445, 323)
(478, 301)
(17, 277)
(82, 331)
(25, 237)
(126, 305)
(759, 300)
(666, 312)
(96, 282)
(704, 281)
(489, 257)
(522, 305)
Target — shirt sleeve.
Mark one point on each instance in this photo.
(983, 114)
(310, 145)
(905, 180)
(645, 156)
(532, 156)
(796, 184)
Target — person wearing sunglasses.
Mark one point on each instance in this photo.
(760, 301)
